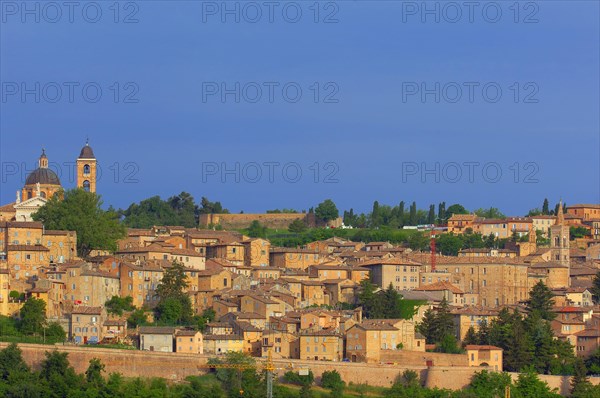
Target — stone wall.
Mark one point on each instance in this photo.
(270, 220)
(418, 358)
(175, 366)
(240, 221)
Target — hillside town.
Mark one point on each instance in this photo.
(296, 302)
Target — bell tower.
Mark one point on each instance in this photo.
(559, 239)
(86, 169)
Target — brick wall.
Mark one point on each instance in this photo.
(176, 366)
(417, 358)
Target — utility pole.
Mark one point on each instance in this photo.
(269, 369)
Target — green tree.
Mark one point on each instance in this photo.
(541, 300)
(332, 380)
(208, 207)
(57, 372)
(519, 347)
(11, 362)
(486, 384)
(407, 385)
(33, 316)
(401, 215)
(376, 217)
(368, 299)
(174, 304)
(546, 207)
(492, 212)
(81, 211)
(456, 209)
(257, 230)
(149, 212)
(136, 318)
(117, 305)
(448, 344)
(55, 332)
(208, 315)
(93, 374)
(470, 337)
(449, 244)
(298, 226)
(185, 209)
(412, 216)
(529, 385)
(578, 233)
(580, 384)
(431, 215)
(595, 290)
(235, 380)
(483, 334)
(418, 241)
(592, 363)
(326, 211)
(442, 213)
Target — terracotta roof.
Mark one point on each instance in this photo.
(462, 217)
(482, 347)
(376, 324)
(29, 248)
(186, 332)
(86, 152)
(21, 224)
(8, 207)
(588, 333)
(323, 332)
(157, 330)
(443, 285)
(390, 261)
(591, 206)
(42, 175)
(85, 310)
(549, 264)
(52, 232)
(222, 337)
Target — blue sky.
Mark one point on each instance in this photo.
(370, 137)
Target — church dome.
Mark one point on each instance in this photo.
(43, 176)
(87, 152)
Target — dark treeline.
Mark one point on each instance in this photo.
(183, 210)
(177, 210)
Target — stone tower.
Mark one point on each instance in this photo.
(559, 239)
(86, 169)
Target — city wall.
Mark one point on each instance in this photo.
(173, 366)
(240, 221)
(421, 358)
(269, 220)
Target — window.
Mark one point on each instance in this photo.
(86, 186)
(86, 169)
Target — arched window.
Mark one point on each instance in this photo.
(86, 186)
(43, 194)
(86, 169)
(29, 194)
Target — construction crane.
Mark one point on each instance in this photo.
(432, 249)
(268, 367)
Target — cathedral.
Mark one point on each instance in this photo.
(43, 183)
